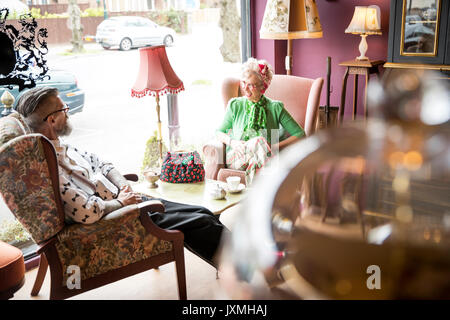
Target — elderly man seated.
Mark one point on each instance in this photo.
(92, 188)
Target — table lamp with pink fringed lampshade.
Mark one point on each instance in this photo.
(156, 77)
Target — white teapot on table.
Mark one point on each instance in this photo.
(216, 192)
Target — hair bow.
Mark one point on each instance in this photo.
(263, 72)
(262, 68)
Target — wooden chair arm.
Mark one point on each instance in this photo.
(151, 227)
(46, 245)
(122, 212)
(213, 145)
(131, 177)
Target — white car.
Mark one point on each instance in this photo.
(128, 32)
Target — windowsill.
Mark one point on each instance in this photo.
(30, 256)
(29, 250)
(32, 262)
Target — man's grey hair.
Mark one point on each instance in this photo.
(30, 105)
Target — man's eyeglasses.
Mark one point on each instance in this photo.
(65, 110)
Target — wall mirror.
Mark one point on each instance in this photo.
(420, 27)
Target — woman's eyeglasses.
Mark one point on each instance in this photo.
(65, 110)
(251, 86)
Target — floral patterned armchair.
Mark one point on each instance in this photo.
(123, 243)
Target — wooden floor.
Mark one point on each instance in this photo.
(200, 278)
(150, 285)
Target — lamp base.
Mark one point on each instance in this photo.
(159, 129)
(363, 48)
(288, 59)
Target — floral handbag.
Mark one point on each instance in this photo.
(182, 167)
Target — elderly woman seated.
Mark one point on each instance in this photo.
(253, 121)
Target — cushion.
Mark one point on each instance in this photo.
(12, 267)
(107, 245)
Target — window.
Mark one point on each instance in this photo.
(133, 23)
(105, 78)
(246, 36)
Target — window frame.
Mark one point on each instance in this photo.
(246, 29)
(30, 254)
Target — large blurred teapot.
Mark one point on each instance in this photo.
(356, 212)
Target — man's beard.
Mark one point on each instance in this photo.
(66, 130)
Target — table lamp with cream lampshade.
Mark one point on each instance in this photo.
(366, 21)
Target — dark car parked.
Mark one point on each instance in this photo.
(64, 81)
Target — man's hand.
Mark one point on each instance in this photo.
(126, 188)
(127, 196)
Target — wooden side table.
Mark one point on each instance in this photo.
(357, 67)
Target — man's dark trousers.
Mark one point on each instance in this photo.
(201, 228)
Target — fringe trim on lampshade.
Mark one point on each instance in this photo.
(154, 93)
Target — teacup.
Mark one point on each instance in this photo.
(233, 182)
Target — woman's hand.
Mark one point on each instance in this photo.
(224, 138)
(238, 147)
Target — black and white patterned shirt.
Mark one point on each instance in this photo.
(83, 184)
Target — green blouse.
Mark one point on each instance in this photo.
(277, 118)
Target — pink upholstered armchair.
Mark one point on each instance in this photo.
(301, 97)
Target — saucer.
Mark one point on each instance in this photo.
(239, 188)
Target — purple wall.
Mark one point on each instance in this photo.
(309, 55)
